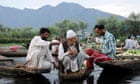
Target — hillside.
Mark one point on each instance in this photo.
(49, 15)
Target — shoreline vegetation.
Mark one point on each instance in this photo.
(121, 29)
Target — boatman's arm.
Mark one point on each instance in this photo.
(61, 53)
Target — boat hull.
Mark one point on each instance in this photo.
(132, 65)
(8, 53)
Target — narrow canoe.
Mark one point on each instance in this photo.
(129, 57)
(75, 76)
(9, 53)
(13, 71)
(128, 65)
(8, 68)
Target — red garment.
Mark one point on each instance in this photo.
(89, 62)
(98, 57)
(14, 48)
(101, 57)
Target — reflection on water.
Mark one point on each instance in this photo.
(111, 78)
(89, 80)
(38, 79)
(5, 80)
(119, 78)
(133, 78)
(97, 77)
(42, 79)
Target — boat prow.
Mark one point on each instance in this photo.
(8, 67)
(128, 65)
(75, 75)
(12, 70)
(9, 53)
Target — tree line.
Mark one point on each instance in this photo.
(21, 35)
(120, 28)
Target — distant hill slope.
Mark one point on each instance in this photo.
(48, 15)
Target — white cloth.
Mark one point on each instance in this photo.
(129, 44)
(61, 53)
(54, 47)
(38, 54)
(74, 65)
(74, 62)
(70, 34)
(98, 40)
(136, 44)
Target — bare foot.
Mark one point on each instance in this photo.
(19, 65)
(80, 71)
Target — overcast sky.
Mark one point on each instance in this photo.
(120, 7)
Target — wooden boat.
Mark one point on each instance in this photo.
(73, 75)
(126, 65)
(8, 68)
(129, 57)
(9, 53)
(12, 70)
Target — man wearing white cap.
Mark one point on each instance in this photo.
(71, 54)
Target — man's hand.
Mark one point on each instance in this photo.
(72, 52)
(91, 57)
(98, 51)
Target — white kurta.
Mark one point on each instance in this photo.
(136, 44)
(129, 44)
(38, 54)
(73, 62)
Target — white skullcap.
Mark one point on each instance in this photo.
(70, 34)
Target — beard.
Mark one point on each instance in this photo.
(103, 33)
(44, 38)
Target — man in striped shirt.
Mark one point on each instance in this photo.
(108, 42)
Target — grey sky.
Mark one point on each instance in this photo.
(120, 7)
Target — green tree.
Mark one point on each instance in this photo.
(82, 26)
(112, 24)
(55, 31)
(67, 24)
(133, 23)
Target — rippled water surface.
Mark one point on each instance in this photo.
(97, 77)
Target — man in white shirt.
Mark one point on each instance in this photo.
(71, 54)
(135, 44)
(39, 56)
(129, 43)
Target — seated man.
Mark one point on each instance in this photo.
(71, 54)
(39, 56)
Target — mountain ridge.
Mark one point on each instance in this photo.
(49, 15)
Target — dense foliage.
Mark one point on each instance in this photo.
(120, 28)
(21, 35)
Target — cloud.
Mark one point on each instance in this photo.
(120, 10)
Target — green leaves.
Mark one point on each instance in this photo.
(122, 28)
(60, 28)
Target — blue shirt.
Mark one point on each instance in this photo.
(108, 45)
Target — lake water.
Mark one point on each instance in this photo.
(97, 77)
